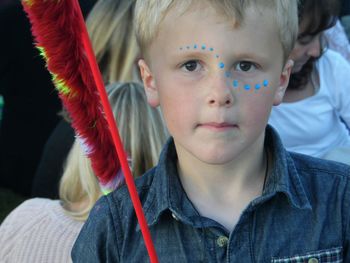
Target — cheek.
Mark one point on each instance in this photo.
(256, 108)
(297, 53)
(178, 108)
(246, 84)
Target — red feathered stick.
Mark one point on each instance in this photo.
(60, 32)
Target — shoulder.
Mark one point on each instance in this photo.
(39, 213)
(23, 230)
(119, 202)
(143, 184)
(330, 54)
(327, 187)
(27, 209)
(311, 165)
(109, 221)
(323, 179)
(331, 59)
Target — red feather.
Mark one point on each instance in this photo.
(72, 67)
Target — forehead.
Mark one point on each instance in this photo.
(205, 24)
(310, 25)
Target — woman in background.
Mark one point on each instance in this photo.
(314, 118)
(44, 230)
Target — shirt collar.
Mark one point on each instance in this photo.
(167, 194)
(284, 177)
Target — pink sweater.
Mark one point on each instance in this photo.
(38, 231)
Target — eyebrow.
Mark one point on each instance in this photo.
(249, 55)
(194, 53)
(190, 53)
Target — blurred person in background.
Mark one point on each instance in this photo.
(43, 230)
(314, 118)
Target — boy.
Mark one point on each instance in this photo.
(225, 190)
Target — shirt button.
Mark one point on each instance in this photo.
(222, 241)
(174, 216)
(313, 260)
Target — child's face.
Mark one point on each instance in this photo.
(215, 84)
(308, 46)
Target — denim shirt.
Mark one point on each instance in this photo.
(302, 216)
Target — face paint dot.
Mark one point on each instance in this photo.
(266, 83)
(195, 46)
(235, 83)
(211, 49)
(257, 86)
(228, 74)
(203, 47)
(247, 87)
(221, 65)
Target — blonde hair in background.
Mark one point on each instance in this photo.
(143, 134)
(110, 26)
(150, 13)
(78, 185)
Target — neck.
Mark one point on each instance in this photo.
(221, 192)
(78, 206)
(241, 173)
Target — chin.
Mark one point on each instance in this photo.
(298, 66)
(216, 158)
(297, 69)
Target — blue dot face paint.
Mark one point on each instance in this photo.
(228, 74)
(247, 87)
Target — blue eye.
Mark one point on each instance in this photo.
(245, 66)
(191, 65)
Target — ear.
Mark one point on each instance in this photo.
(284, 80)
(149, 84)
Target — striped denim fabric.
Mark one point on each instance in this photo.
(333, 255)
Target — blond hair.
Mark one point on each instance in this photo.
(143, 133)
(110, 26)
(150, 13)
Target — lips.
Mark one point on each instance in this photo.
(218, 126)
(298, 65)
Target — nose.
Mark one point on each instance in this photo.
(314, 48)
(220, 94)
